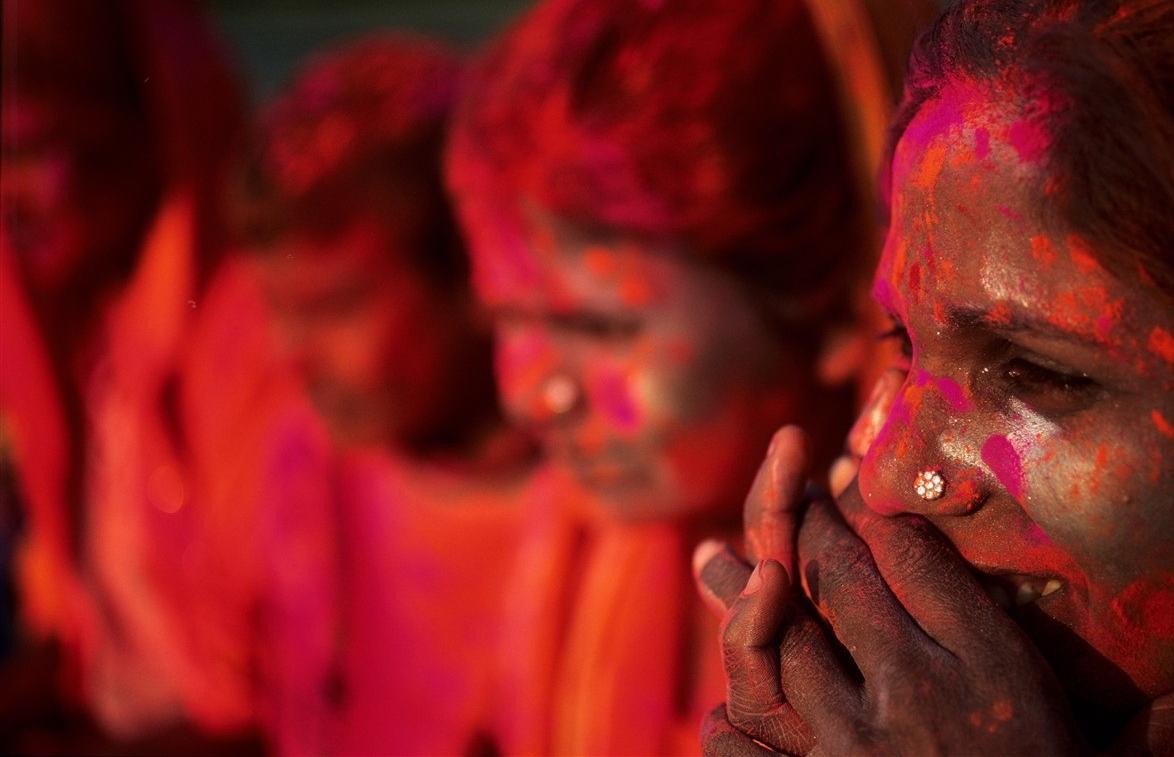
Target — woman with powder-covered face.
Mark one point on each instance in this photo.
(1023, 600)
(664, 220)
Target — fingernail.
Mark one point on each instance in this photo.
(754, 583)
(704, 553)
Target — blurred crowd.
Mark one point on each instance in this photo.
(385, 419)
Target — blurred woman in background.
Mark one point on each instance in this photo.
(666, 216)
(350, 233)
(136, 399)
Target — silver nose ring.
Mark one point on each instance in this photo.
(560, 393)
(929, 484)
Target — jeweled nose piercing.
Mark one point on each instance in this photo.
(560, 393)
(929, 484)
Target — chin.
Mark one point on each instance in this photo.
(1103, 690)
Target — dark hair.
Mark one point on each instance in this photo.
(713, 124)
(361, 129)
(1107, 70)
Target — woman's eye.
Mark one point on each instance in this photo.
(606, 327)
(898, 333)
(1049, 390)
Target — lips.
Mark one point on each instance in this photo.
(1011, 590)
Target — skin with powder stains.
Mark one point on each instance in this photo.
(677, 381)
(1036, 388)
(347, 310)
(1062, 390)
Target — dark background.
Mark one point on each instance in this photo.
(269, 38)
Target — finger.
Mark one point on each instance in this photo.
(770, 517)
(842, 474)
(930, 580)
(720, 739)
(823, 694)
(846, 587)
(875, 412)
(720, 575)
(750, 654)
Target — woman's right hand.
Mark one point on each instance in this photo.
(937, 665)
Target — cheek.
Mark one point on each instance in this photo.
(1098, 496)
(524, 358)
(620, 393)
(656, 388)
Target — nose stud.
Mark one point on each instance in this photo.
(929, 484)
(560, 393)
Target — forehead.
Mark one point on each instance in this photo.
(970, 228)
(363, 248)
(533, 259)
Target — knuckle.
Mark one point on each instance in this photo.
(918, 558)
(842, 563)
(733, 632)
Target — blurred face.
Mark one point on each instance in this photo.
(368, 334)
(1042, 389)
(650, 377)
(76, 191)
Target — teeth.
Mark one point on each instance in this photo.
(1019, 591)
(1026, 593)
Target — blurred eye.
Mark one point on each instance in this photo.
(1049, 389)
(898, 333)
(600, 326)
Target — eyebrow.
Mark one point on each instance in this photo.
(1016, 322)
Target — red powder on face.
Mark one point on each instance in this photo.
(1000, 314)
(1042, 250)
(1101, 463)
(982, 143)
(1074, 310)
(1029, 140)
(1081, 255)
(915, 279)
(1161, 343)
(600, 261)
(615, 401)
(1004, 462)
(635, 291)
(930, 167)
(1144, 276)
(1010, 213)
(1162, 424)
(1144, 605)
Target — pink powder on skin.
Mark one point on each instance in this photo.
(1161, 424)
(615, 401)
(953, 394)
(1001, 457)
(982, 143)
(1029, 140)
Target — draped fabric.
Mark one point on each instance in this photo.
(608, 651)
(185, 412)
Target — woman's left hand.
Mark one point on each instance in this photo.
(939, 667)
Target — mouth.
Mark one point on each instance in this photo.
(1012, 590)
(602, 471)
(607, 475)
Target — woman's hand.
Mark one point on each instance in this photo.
(771, 520)
(932, 665)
